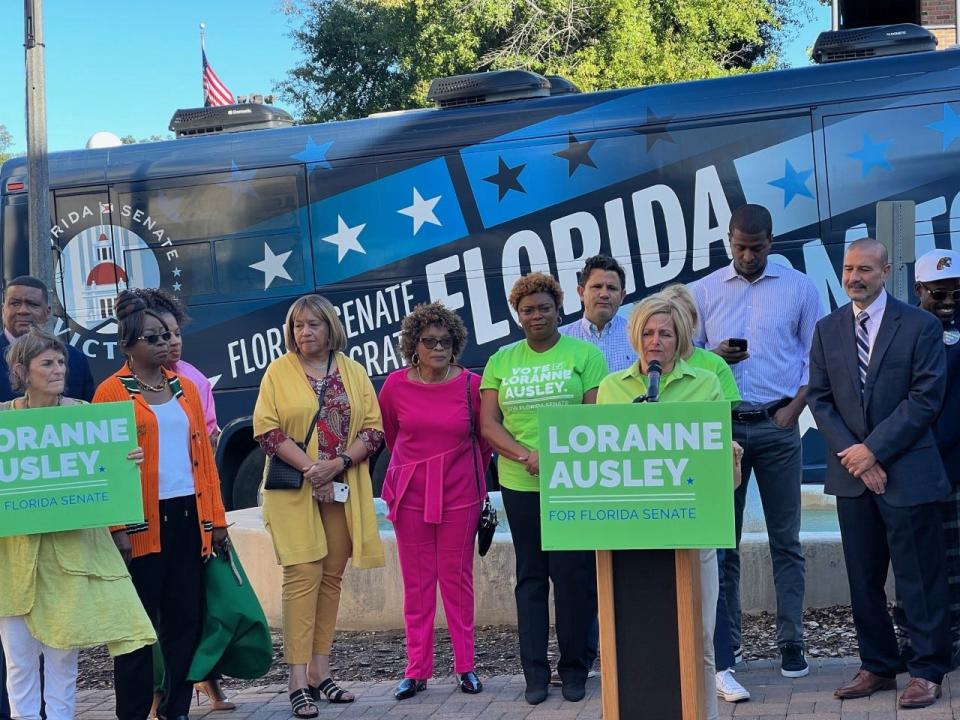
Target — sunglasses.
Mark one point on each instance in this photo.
(154, 339)
(431, 342)
(941, 295)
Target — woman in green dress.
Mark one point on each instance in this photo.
(61, 590)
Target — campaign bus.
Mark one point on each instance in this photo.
(455, 203)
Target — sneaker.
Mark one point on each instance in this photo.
(729, 689)
(792, 662)
(737, 656)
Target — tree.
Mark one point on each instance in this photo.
(6, 140)
(131, 140)
(364, 56)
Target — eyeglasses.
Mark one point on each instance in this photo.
(431, 342)
(154, 339)
(941, 295)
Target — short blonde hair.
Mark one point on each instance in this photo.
(680, 294)
(659, 305)
(27, 347)
(321, 308)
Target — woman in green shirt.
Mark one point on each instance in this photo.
(661, 330)
(544, 369)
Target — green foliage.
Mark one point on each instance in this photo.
(6, 140)
(131, 140)
(364, 56)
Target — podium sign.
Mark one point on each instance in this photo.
(643, 476)
(66, 468)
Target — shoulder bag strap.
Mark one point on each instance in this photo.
(473, 437)
(323, 395)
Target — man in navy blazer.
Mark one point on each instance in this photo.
(26, 303)
(876, 386)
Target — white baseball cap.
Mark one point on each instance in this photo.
(937, 265)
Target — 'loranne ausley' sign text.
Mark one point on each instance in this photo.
(66, 468)
(642, 476)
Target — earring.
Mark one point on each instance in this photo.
(416, 360)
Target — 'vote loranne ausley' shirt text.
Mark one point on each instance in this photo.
(526, 380)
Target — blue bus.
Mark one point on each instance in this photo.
(455, 203)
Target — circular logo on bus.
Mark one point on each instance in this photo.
(94, 266)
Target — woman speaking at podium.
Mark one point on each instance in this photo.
(661, 334)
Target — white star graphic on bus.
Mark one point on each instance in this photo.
(346, 239)
(272, 266)
(177, 287)
(421, 211)
(177, 271)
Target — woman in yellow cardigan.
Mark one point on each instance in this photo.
(314, 534)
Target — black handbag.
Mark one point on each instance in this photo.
(281, 475)
(488, 513)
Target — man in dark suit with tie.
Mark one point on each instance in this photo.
(26, 304)
(876, 386)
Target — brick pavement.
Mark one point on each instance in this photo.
(774, 698)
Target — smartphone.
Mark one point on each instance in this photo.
(341, 491)
(738, 344)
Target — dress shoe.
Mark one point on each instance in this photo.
(573, 692)
(534, 695)
(919, 693)
(470, 683)
(409, 687)
(864, 684)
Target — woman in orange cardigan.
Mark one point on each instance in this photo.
(184, 520)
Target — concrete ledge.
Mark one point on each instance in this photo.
(373, 599)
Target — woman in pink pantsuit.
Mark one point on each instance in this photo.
(434, 488)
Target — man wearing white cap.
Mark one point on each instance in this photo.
(938, 287)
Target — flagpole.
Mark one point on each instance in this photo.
(203, 90)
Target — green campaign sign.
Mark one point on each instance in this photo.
(66, 468)
(641, 476)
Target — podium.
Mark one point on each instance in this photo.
(646, 486)
(651, 634)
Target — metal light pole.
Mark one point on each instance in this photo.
(38, 180)
(835, 15)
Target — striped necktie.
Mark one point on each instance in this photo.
(863, 347)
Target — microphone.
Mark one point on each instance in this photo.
(653, 381)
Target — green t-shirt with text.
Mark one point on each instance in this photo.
(526, 380)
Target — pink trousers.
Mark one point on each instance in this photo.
(428, 554)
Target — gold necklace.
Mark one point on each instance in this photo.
(145, 385)
(424, 382)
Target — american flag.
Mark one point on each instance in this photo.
(214, 91)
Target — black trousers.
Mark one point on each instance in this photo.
(170, 586)
(876, 534)
(574, 578)
(4, 702)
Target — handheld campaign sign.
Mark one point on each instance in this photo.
(642, 476)
(66, 468)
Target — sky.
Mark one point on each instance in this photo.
(125, 65)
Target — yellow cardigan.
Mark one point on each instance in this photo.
(288, 402)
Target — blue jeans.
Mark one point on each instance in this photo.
(773, 453)
(722, 636)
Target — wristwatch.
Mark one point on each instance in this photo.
(347, 460)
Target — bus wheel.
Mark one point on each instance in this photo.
(246, 486)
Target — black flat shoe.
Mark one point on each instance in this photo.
(409, 687)
(535, 695)
(470, 683)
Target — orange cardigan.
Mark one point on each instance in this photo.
(145, 536)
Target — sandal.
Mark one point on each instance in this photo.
(332, 692)
(301, 704)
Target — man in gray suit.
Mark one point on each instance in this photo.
(877, 380)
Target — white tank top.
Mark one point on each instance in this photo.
(175, 471)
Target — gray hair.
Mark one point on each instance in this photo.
(27, 347)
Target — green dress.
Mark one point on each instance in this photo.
(72, 589)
